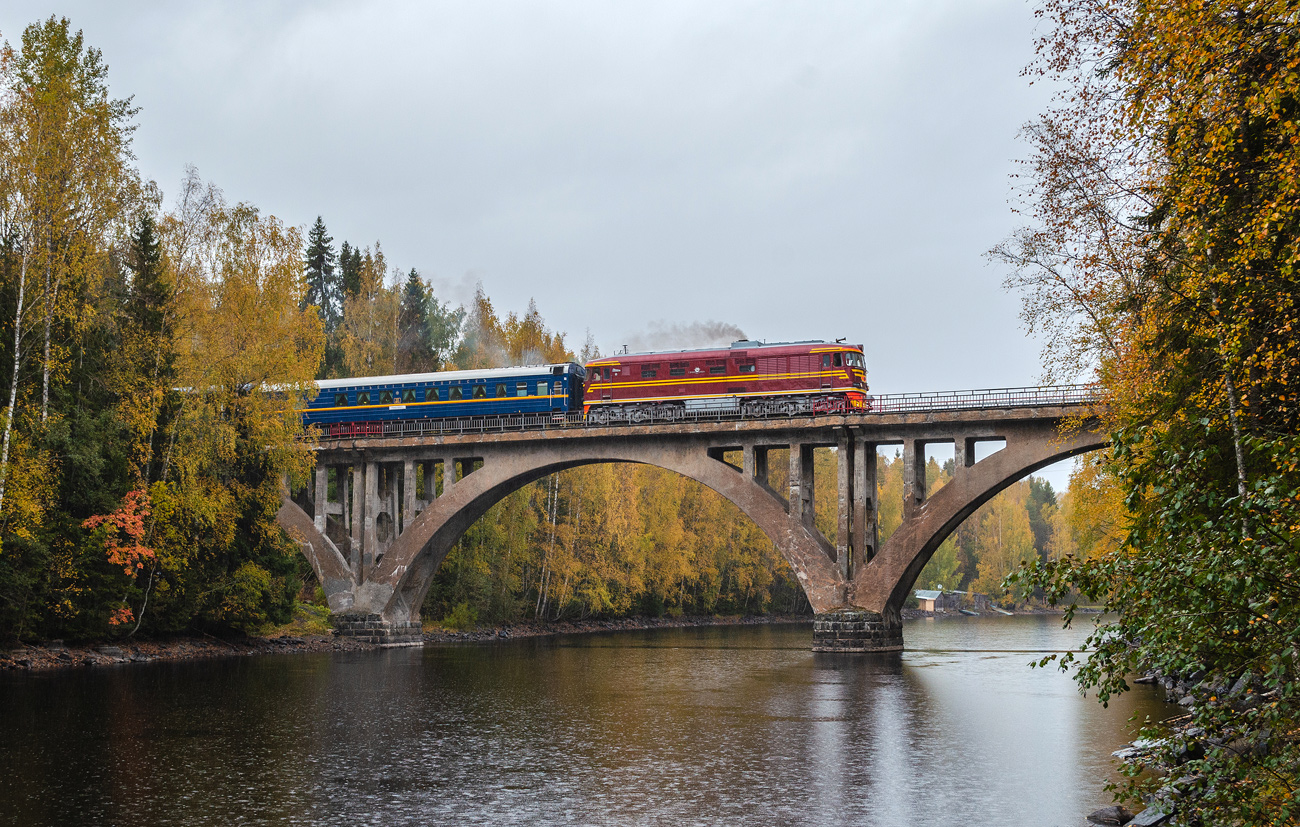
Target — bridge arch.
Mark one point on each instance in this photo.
(884, 585)
(397, 587)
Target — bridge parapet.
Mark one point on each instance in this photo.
(386, 507)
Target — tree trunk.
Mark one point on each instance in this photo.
(13, 384)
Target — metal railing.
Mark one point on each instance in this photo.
(890, 403)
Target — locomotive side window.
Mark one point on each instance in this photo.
(363, 398)
(677, 369)
(749, 368)
(649, 373)
(521, 389)
(718, 369)
(607, 374)
(839, 361)
(480, 391)
(826, 360)
(456, 393)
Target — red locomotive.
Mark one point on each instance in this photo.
(748, 378)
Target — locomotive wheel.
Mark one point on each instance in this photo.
(600, 416)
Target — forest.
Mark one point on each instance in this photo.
(141, 458)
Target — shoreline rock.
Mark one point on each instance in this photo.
(55, 654)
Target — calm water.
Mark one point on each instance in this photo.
(738, 725)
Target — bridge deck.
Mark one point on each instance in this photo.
(1056, 402)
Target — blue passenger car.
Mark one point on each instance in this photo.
(536, 389)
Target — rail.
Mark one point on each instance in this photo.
(890, 403)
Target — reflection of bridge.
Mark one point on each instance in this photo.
(375, 546)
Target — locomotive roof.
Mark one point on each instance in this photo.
(445, 376)
(742, 344)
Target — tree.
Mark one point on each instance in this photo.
(1166, 232)
(414, 351)
(65, 148)
(325, 291)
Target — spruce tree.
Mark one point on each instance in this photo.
(414, 353)
(323, 283)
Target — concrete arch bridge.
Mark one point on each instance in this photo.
(375, 547)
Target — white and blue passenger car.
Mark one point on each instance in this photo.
(458, 394)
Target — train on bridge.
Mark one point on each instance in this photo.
(746, 379)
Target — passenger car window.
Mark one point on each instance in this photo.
(521, 389)
(408, 396)
(340, 400)
(456, 392)
(480, 391)
(543, 389)
(385, 397)
(363, 398)
(501, 389)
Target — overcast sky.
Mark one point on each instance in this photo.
(796, 170)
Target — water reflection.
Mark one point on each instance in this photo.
(693, 726)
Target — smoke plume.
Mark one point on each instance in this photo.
(662, 335)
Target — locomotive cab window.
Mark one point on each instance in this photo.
(826, 360)
(363, 398)
(839, 361)
(480, 391)
(340, 400)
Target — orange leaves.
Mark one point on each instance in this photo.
(124, 530)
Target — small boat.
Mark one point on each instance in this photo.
(1001, 611)
(969, 613)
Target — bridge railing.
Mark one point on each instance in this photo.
(892, 403)
(1035, 397)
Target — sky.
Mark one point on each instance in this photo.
(646, 172)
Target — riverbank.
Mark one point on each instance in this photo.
(57, 655)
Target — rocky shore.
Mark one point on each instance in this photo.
(56, 654)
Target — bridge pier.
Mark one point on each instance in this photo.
(391, 540)
(857, 631)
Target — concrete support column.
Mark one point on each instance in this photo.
(963, 454)
(913, 475)
(358, 517)
(801, 484)
(370, 540)
(321, 500)
(448, 475)
(865, 508)
(844, 483)
(408, 494)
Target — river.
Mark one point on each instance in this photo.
(712, 725)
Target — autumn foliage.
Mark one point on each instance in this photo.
(1162, 256)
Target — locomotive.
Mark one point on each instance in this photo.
(746, 379)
